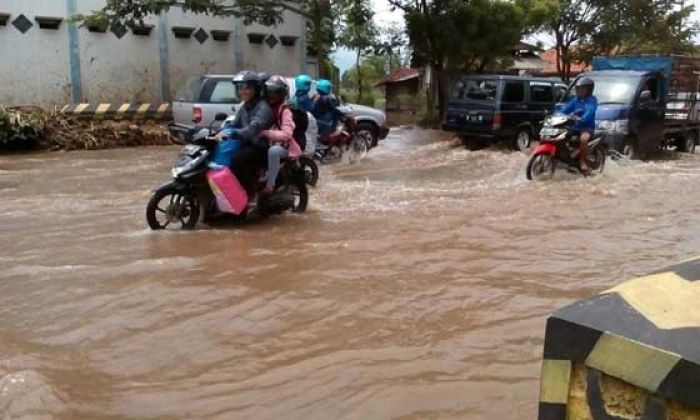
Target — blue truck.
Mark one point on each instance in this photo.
(646, 102)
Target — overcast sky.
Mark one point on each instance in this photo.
(384, 16)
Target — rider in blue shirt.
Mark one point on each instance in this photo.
(302, 100)
(325, 108)
(583, 108)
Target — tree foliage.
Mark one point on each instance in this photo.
(583, 28)
(462, 35)
(360, 33)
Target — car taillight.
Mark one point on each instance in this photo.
(197, 114)
(497, 120)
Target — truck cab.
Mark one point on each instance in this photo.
(631, 108)
(645, 103)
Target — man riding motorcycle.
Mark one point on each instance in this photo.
(583, 108)
(325, 108)
(252, 118)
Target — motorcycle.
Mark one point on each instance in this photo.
(178, 203)
(559, 145)
(344, 141)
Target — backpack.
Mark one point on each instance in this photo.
(301, 124)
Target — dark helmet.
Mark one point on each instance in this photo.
(276, 85)
(264, 77)
(247, 77)
(585, 82)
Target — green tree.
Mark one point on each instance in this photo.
(461, 35)
(392, 43)
(584, 28)
(359, 34)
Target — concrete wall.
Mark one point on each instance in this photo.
(55, 67)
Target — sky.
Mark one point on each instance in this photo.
(383, 16)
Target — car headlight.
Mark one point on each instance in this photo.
(606, 125)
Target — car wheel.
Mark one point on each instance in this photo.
(522, 140)
(687, 144)
(368, 130)
(630, 149)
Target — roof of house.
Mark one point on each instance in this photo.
(400, 75)
(550, 56)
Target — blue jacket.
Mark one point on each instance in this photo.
(584, 108)
(303, 101)
(327, 114)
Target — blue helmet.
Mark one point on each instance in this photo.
(324, 87)
(302, 83)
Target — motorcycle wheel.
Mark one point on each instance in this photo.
(596, 160)
(301, 196)
(540, 167)
(310, 170)
(172, 208)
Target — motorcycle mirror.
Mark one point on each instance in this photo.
(221, 116)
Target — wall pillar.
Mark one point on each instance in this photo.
(164, 54)
(74, 53)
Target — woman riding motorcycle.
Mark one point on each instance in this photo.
(281, 135)
(252, 119)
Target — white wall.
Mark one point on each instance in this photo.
(35, 67)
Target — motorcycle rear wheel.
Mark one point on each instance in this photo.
(540, 167)
(180, 207)
(310, 169)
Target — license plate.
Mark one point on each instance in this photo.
(550, 132)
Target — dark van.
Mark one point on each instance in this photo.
(496, 108)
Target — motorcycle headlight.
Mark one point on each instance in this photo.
(181, 169)
(622, 126)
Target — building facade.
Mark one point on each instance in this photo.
(48, 61)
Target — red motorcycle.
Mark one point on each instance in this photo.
(343, 141)
(559, 145)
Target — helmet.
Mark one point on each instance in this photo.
(324, 87)
(247, 77)
(585, 82)
(302, 83)
(276, 85)
(264, 77)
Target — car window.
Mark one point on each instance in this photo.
(477, 90)
(514, 92)
(541, 92)
(560, 92)
(224, 93)
(652, 85)
(189, 91)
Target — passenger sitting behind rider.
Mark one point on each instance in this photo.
(583, 109)
(252, 118)
(281, 135)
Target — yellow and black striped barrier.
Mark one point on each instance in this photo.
(632, 352)
(126, 111)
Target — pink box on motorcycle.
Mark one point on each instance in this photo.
(230, 195)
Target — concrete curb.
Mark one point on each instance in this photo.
(125, 111)
(631, 352)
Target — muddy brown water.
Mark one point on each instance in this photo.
(417, 286)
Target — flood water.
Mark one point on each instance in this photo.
(416, 287)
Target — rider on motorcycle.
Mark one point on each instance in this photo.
(302, 100)
(325, 108)
(252, 118)
(583, 108)
(281, 135)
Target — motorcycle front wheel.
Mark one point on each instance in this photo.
(170, 208)
(301, 195)
(540, 167)
(357, 149)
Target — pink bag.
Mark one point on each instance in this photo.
(231, 197)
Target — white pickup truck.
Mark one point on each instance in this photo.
(202, 97)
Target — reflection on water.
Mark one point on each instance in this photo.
(415, 287)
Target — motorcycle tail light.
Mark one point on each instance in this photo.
(197, 114)
(497, 120)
